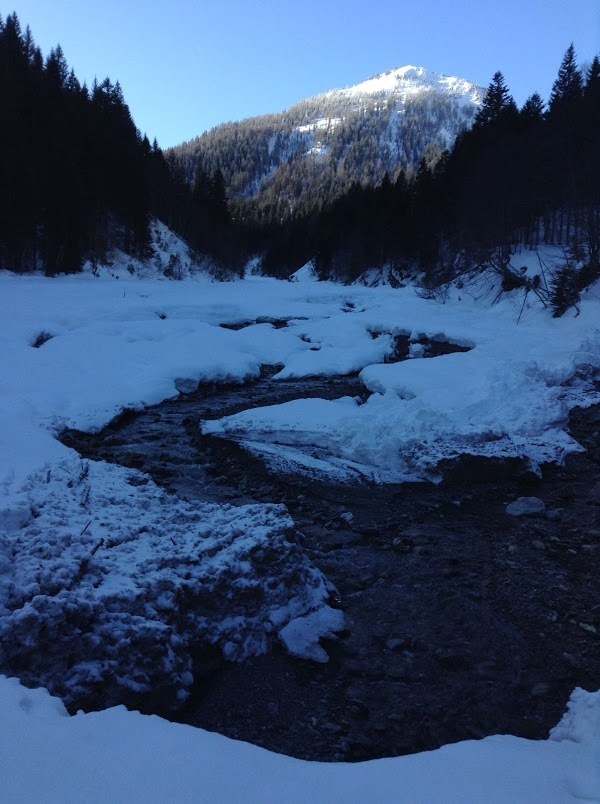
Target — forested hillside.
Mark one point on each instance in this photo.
(282, 166)
(519, 177)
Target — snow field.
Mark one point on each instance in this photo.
(106, 581)
(120, 756)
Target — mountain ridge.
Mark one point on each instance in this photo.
(291, 163)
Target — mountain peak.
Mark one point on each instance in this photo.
(409, 80)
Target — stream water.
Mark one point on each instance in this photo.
(457, 626)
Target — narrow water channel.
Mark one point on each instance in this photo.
(457, 627)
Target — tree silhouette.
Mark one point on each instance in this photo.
(568, 86)
(497, 103)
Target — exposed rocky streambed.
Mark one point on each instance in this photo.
(462, 621)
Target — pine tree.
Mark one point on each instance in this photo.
(218, 197)
(56, 66)
(29, 45)
(533, 108)
(72, 84)
(592, 77)
(11, 38)
(568, 87)
(592, 84)
(497, 103)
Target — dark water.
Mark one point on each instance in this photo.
(458, 626)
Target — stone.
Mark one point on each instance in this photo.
(554, 514)
(395, 644)
(347, 516)
(186, 385)
(358, 710)
(526, 506)
(538, 544)
(572, 660)
(591, 629)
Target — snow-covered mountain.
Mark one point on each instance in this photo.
(295, 160)
(410, 80)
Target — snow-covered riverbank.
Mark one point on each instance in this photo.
(99, 551)
(129, 343)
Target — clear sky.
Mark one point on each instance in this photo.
(187, 65)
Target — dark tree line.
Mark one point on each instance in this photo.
(518, 177)
(77, 178)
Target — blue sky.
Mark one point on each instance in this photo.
(188, 65)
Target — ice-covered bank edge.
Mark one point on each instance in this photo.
(122, 756)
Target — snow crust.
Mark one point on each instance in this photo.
(108, 583)
(120, 756)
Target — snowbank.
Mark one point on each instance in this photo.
(121, 756)
(108, 584)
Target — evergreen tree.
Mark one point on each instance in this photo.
(592, 79)
(533, 108)
(497, 103)
(78, 170)
(568, 86)
(217, 196)
(592, 89)
(56, 66)
(29, 45)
